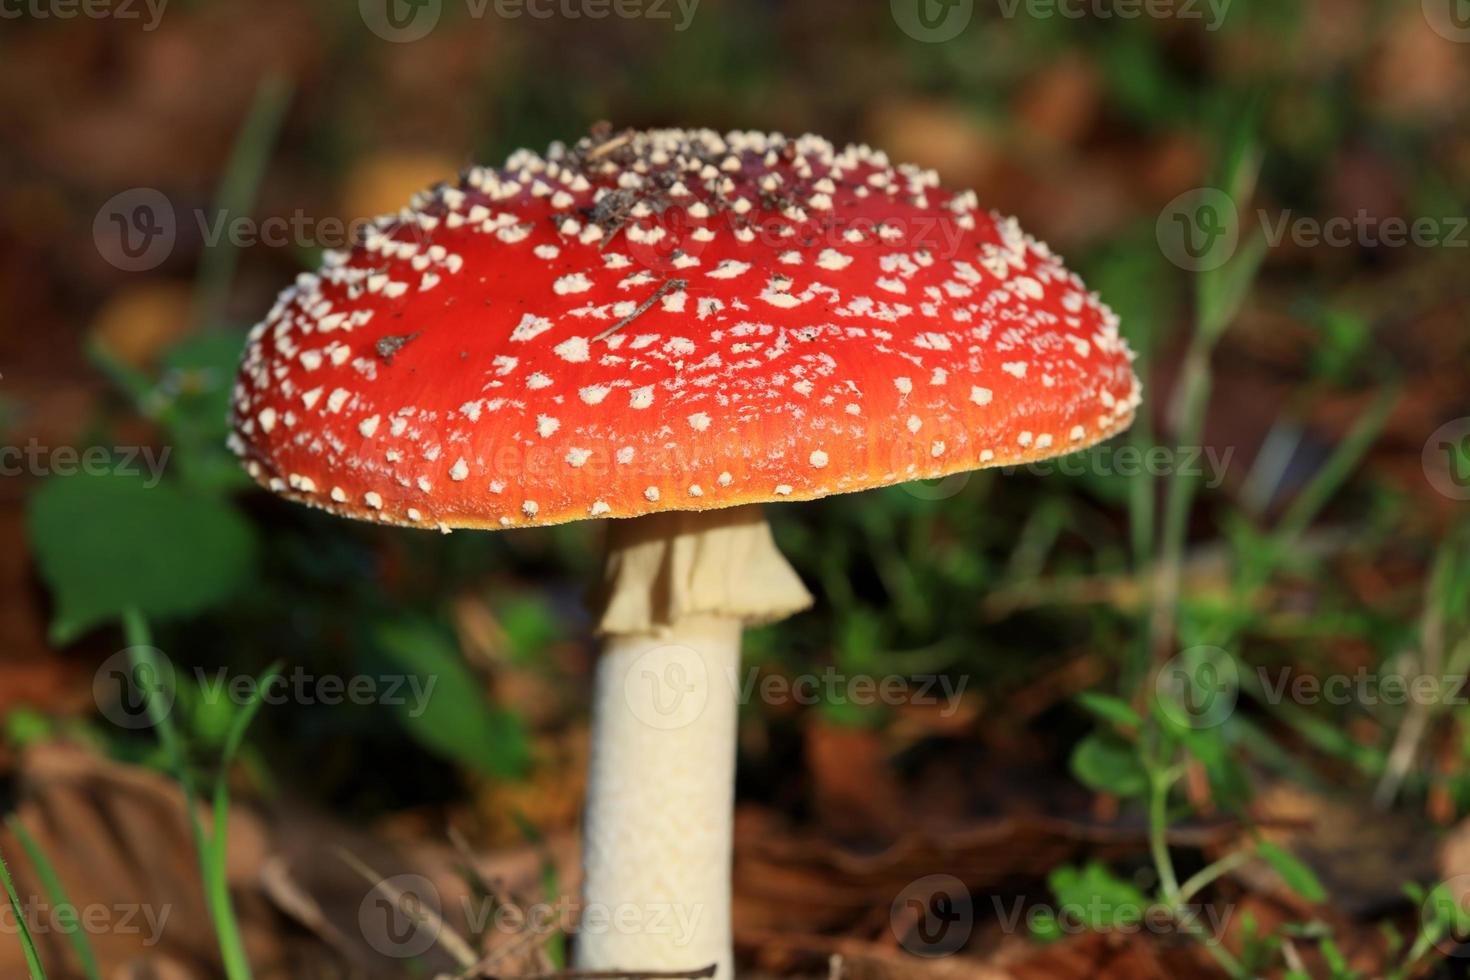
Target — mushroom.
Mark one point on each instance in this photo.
(671, 328)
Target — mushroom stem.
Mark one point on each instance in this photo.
(657, 837)
(660, 799)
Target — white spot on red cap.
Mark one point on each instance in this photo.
(574, 350)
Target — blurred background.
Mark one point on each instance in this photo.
(1186, 705)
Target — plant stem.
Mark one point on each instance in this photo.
(211, 853)
(1211, 873)
(1158, 829)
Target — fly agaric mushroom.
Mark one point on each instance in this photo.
(672, 327)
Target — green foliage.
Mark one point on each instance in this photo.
(1110, 708)
(1096, 898)
(56, 894)
(531, 625)
(27, 943)
(108, 543)
(1109, 765)
(1298, 877)
(453, 720)
(209, 846)
(1346, 340)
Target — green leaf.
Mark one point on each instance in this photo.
(1298, 877)
(1442, 910)
(1109, 765)
(442, 706)
(531, 625)
(108, 543)
(1110, 708)
(1045, 928)
(192, 400)
(1223, 291)
(1221, 762)
(1096, 898)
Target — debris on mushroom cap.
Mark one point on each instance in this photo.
(672, 320)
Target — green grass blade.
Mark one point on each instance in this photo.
(1329, 479)
(221, 800)
(33, 959)
(51, 881)
(236, 194)
(210, 853)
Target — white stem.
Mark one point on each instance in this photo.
(678, 588)
(657, 846)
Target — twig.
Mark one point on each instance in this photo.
(603, 149)
(421, 915)
(663, 290)
(481, 969)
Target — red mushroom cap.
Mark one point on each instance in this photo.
(672, 320)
